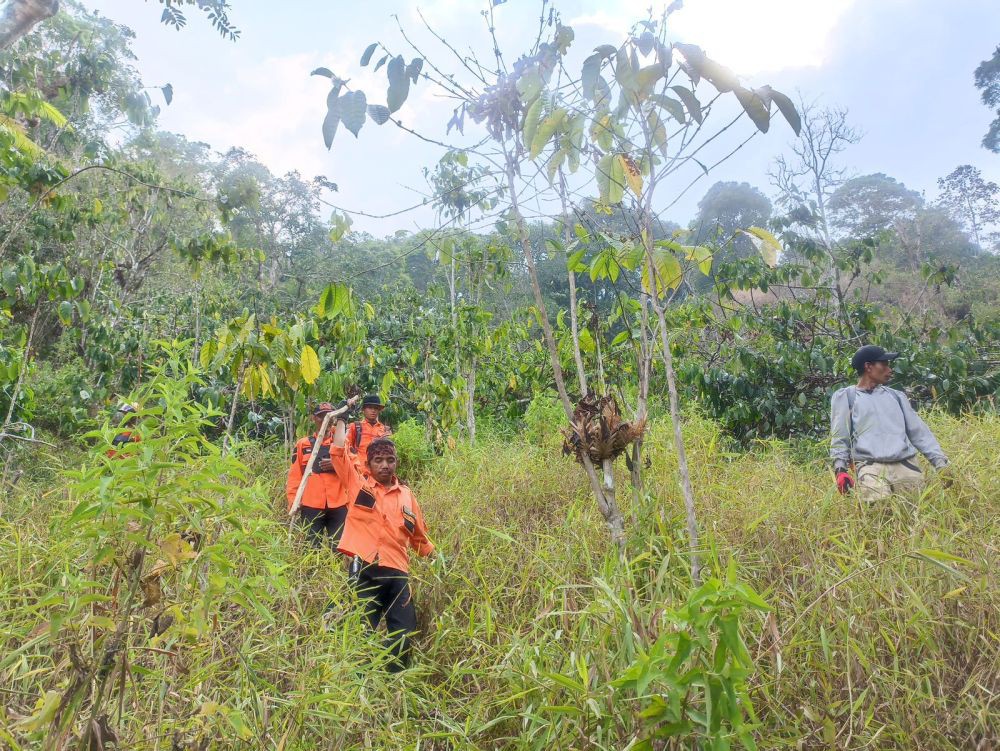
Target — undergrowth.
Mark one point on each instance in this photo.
(169, 608)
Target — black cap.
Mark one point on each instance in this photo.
(871, 353)
(371, 400)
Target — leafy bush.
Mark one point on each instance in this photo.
(415, 451)
(63, 394)
(771, 374)
(543, 418)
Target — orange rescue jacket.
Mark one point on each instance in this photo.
(126, 436)
(362, 433)
(323, 489)
(383, 523)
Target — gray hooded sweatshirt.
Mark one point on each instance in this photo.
(885, 429)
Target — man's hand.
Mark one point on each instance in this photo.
(325, 465)
(844, 482)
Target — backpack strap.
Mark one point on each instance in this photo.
(852, 395)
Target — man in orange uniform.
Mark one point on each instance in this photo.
(383, 523)
(363, 432)
(324, 502)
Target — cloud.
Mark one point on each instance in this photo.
(749, 37)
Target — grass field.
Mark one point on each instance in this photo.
(883, 633)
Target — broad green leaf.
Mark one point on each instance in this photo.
(532, 117)
(322, 72)
(668, 271)
(645, 80)
(529, 85)
(588, 77)
(353, 106)
(330, 123)
(65, 311)
(601, 132)
(414, 68)
(378, 113)
(766, 243)
(309, 365)
(788, 110)
(399, 83)
(754, 107)
(366, 56)
(690, 102)
(208, 351)
(603, 175)
(616, 181)
(701, 256)
(671, 105)
(340, 225)
(575, 262)
(657, 131)
(546, 129)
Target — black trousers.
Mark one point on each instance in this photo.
(385, 593)
(324, 522)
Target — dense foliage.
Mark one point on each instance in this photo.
(159, 589)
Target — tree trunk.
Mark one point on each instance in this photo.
(18, 17)
(574, 322)
(227, 439)
(470, 396)
(642, 405)
(608, 505)
(196, 357)
(675, 411)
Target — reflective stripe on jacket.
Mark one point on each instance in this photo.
(323, 489)
(383, 523)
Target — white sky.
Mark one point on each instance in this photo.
(902, 67)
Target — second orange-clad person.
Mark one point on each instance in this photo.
(324, 501)
(361, 433)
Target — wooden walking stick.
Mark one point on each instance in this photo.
(297, 503)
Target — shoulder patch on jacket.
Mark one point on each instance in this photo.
(365, 499)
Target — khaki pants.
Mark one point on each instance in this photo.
(876, 481)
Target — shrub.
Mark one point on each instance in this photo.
(543, 418)
(415, 451)
(63, 395)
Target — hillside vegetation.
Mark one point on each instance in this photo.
(881, 627)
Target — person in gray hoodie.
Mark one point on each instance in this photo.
(875, 429)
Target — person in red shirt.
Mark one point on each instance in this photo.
(129, 416)
(324, 501)
(363, 432)
(384, 522)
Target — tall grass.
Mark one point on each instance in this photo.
(883, 631)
